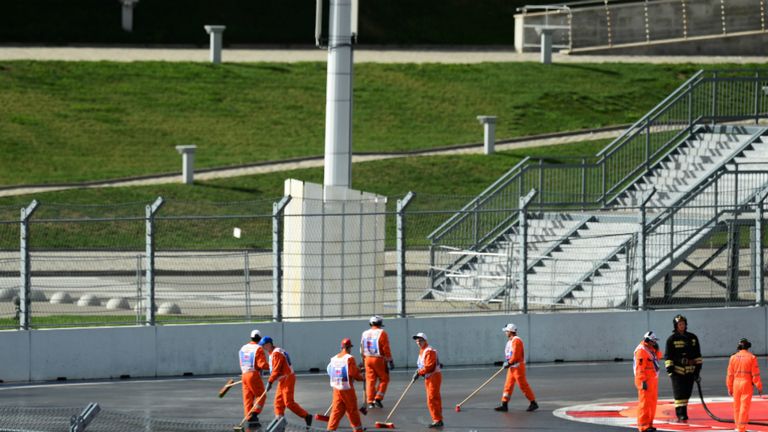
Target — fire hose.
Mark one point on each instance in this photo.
(713, 416)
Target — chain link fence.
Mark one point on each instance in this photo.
(88, 269)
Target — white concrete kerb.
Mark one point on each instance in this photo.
(128, 14)
(546, 43)
(217, 34)
(489, 133)
(187, 163)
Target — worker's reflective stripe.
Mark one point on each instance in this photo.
(420, 362)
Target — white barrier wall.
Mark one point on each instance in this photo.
(212, 349)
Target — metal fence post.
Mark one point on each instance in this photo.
(151, 211)
(25, 294)
(643, 244)
(138, 290)
(277, 259)
(523, 223)
(401, 287)
(758, 252)
(247, 275)
(602, 171)
(714, 96)
(757, 97)
(647, 145)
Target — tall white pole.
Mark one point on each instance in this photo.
(338, 107)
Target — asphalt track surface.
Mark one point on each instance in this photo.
(556, 385)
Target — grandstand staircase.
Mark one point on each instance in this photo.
(590, 258)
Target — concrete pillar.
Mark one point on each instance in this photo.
(338, 99)
(489, 128)
(519, 33)
(128, 14)
(546, 44)
(187, 162)
(217, 34)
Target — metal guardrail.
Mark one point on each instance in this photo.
(707, 96)
(587, 26)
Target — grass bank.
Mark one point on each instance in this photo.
(77, 121)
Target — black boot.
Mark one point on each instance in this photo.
(437, 424)
(378, 403)
(679, 413)
(533, 406)
(308, 420)
(503, 407)
(685, 412)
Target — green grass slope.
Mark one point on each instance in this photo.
(77, 121)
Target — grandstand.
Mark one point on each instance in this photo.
(692, 165)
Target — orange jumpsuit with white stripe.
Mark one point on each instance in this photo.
(342, 371)
(374, 347)
(252, 362)
(743, 376)
(514, 354)
(282, 372)
(429, 368)
(646, 369)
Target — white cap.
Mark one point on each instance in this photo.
(255, 333)
(650, 335)
(420, 335)
(510, 328)
(376, 320)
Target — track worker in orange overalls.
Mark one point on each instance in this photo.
(377, 358)
(343, 371)
(514, 361)
(429, 368)
(646, 368)
(743, 376)
(282, 372)
(252, 362)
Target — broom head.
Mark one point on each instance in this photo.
(322, 418)
(226, 387)
(384, 425)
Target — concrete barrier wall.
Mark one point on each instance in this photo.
(42, 355)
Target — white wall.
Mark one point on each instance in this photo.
(462, 340)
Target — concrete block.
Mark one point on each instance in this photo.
(14, 355)
(206, 349)
(312, 343)
(465, 340)
(92, 353)
(718, 330)
(585, 336)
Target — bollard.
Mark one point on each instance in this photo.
(489, 129)
(546, 44)
(217, 34)
(128, 14)
(187, 163)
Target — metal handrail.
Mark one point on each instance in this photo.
(633, 136)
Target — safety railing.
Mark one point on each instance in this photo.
(706, 97)
(609, 24)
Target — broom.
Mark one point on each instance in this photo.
(230, 383)
(458, 405)
(239, 428)
(386, 423)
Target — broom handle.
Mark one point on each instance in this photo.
(234, 383)
(254, 405)
(398, 401)
(481, 386)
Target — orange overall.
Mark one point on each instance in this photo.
(646, 369)
(282, 372)
(374, 347)
(429, 368)
(743, 374)
(252, 362)
(514, 353)
(342, 371)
